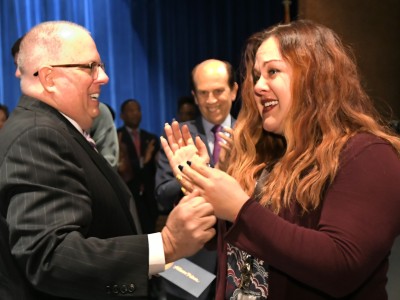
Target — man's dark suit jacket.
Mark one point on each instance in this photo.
(168, 193)
(142, 184)
(66, 225)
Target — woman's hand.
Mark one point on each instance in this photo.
(222, 191)
(179, 148)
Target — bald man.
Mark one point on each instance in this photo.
(214, 90)
(68, 224)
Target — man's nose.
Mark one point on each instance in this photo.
(102, 77)
(211, 98)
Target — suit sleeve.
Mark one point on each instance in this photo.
(49, 216)
(167, 188)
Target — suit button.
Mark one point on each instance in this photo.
(123, 289)
(115, 289)
(131, 288)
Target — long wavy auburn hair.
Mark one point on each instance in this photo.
(329, 106)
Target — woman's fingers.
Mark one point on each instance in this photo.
(218, 188)
(197, 173)
(178, 137)
(202, 150)
(189, 196)
(167, 149)
(198, 166)
(170, 138)
(186, 185)
(187, 137)
(176, 131)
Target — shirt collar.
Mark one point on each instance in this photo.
(208, 126)
(73, 122)
(130, 130)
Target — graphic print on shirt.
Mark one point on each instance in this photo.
(258, 285)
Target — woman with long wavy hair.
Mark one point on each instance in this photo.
(309, 205)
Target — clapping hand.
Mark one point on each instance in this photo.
(179, 148)
(149, 151)
(218, 188)
(226, 147)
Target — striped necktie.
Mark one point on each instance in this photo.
(90, 140)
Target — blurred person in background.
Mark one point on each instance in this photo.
(138, 162)
(3, 114)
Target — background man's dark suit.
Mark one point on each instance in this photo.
(142, 184)
(48, 166)
(168, 193)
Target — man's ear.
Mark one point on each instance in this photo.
(234, 91)
(45, 75)
(195, 98)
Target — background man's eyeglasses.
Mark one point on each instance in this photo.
(93, 66)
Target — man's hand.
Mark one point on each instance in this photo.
(226, 147)
(188, 228)
(149, 151)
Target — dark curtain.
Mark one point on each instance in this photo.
(149, 46)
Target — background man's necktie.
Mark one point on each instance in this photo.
(217, 147)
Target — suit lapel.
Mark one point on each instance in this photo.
(117, 184)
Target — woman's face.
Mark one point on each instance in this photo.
(272, 77)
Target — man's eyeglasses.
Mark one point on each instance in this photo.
(93, 66)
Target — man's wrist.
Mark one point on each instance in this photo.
(156, 253)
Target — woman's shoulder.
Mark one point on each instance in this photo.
(362, 138)
(364, 141)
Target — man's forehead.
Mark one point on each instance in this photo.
(212, 68)
(212, 78)
(80, 45)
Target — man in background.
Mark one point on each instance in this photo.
(68, 224)
(3, 115)
(138, 162)
(14, 53)
(214, 90)
(187, 109)
(104, 134)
